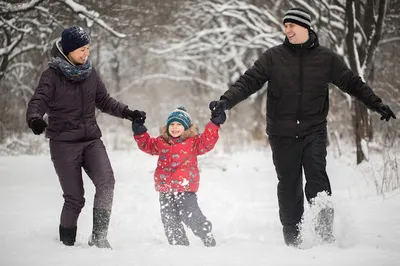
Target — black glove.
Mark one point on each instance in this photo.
(37, 125)
(132, 115)
(384, 110)
(218, 107)
(218, 119)
(138, 126)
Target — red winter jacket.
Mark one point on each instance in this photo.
(177, 169)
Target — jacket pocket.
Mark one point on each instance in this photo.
(315, 104)
(55, 129)
(272, 103)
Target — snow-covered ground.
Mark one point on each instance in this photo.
(237, 193)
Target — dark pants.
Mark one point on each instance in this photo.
(69, 159)
(291, 156)
(176, 208)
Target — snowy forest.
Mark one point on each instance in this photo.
(155, 55)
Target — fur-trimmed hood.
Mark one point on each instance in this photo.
(190, 132)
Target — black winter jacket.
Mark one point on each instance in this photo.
(298, 78)
(71, 106)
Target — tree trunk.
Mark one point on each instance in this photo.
(360, 116)
(362, 126)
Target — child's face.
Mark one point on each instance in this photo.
(176, 129)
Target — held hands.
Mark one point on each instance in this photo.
(138, 118)
(384, 110)
(132, 115)
(38, 125)
(218, 119)
(218, 108)
(138, 126)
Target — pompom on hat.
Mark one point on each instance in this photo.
(180, 115)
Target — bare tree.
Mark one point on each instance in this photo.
(355, 27)
(216, 41)
(27, 31)
(218, 38)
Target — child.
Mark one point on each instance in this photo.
(177, 175)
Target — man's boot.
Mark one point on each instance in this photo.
(101, 220)
(67, 235)
(324, 225)
(209, 240)
(291, 234)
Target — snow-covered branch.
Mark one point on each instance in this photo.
(7, 8)
(390, 40)
(219, 38)
(29, 26)
(6, 50)
(10, 23)
(20, 50)
(92, 15)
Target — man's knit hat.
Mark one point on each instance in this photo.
(180, 115)
(298, 16)
(73, 38)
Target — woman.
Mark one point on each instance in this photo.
(69, 91)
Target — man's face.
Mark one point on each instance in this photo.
(296, 34)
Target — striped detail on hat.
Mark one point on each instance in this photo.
(298, 16)
(180, 115)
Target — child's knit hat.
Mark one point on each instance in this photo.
(180, 115)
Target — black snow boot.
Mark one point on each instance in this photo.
(101, 220)
(292, 236)
(209, 240)
(67, 235)
(324, 225)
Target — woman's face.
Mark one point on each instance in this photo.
(176, 129)
(80, 55)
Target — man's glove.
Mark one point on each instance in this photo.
(138, 126)
(132, 115)
(218, 119)
(384, 110)
(218, 107)
(37, 125)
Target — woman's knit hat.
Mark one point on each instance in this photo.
(73, 38)
(298, 16)
(180, 115)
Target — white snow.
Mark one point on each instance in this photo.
(237, 193)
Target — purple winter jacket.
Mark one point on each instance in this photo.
(71, 105)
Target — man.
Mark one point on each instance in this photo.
(69, 91)
(298, 73)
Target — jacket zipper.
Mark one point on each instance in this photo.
(83, 110)
(300, 93)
